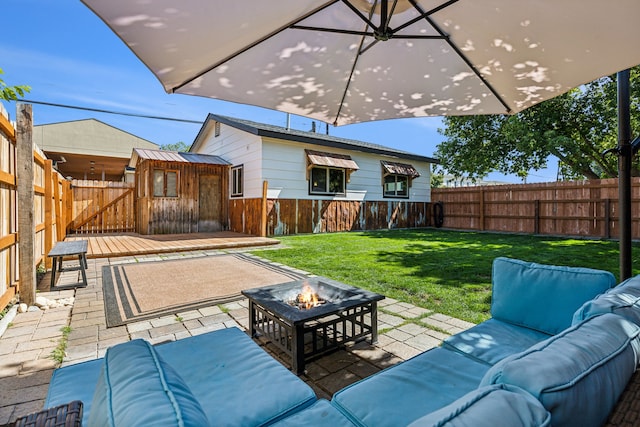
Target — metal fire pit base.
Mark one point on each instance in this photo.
(350, 314)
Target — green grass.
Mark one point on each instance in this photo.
(445, 271)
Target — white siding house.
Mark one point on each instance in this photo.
(313, 167)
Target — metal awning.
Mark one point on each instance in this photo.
(321, 158)
(395, 168)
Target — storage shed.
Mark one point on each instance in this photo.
(180, 192)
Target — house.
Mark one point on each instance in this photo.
(179, 192)
(286, 181)
(88, 149)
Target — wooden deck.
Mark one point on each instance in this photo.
(114, 245)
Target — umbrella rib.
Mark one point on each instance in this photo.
(332, 30)
(462, 56)
(252, 45)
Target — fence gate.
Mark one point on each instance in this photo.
(103, 207)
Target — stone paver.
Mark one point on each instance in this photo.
(26, 347)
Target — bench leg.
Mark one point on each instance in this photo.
(83, 266)
(53, 271)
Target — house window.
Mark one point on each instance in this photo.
(396, 186)
(396, 178)
(165, 183)
(328, 173)
(237, 176)
(327, 181)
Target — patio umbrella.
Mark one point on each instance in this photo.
(349, 61)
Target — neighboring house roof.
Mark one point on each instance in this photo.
(278, 132)
(175, 156)
(88, 149)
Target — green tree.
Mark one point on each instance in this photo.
(575, 127)
(178, 146)
(11, 93)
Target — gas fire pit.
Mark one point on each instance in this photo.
(308, 318)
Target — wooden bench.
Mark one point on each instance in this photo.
(73, 248)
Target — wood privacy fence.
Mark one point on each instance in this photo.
(575, 208)
(50, 209)
(103, 207)
(296, 216)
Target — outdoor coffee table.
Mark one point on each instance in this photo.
(72, 248)
(345, 314)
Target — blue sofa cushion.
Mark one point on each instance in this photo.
(320, 414)
(136, 387)
(624, 300)
(493, 340)
(490, 406)
(74, 382)
(405, 392)
(543, 297)
(579, 374)
(235, 380)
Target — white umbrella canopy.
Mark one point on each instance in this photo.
(349, 61)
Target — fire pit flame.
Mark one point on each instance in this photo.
(307, 299)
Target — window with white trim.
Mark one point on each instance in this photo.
(397, 178)
(396, 186)
(326, 180)
(237, 176)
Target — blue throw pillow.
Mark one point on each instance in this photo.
(543, 297)
(623, 300)
(136, 387)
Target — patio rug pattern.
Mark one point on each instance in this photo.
(140, 291)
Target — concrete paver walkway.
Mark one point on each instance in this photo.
(26, 347)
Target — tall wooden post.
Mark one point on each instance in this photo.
(48, 209)
(26, 220)
(263, 219)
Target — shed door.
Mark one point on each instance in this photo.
(210, 203)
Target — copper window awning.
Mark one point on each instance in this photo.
(405, 169)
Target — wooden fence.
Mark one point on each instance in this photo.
(103, 207)
(296, 216)
(50, 210)
(575, 208)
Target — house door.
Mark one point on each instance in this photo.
(210, 203)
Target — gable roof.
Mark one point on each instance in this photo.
(319, 139)
(175, 156)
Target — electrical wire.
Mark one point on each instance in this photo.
(120, 113)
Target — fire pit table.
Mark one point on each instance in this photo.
(308, 318)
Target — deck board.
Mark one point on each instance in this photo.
(129, 244)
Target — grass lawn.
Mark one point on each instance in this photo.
(445, 271)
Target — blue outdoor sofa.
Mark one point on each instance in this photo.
(559, 350)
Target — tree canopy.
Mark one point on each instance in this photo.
(575, 127)
(178, 146)
(11, 93)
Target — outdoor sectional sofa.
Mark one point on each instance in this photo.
(559, 350)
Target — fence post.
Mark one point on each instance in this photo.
(481, 209)
(536, 224)
(48, 214)
(607, 218)
(26, 197)
(263, 218)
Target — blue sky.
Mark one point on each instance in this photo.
(69, 56)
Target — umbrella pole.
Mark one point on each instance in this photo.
(624, 173)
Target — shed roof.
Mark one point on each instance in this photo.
(175, 156)
(278, 132)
